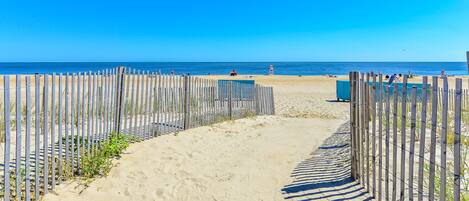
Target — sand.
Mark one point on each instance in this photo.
(246, 159)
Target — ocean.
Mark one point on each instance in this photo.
(251, 68)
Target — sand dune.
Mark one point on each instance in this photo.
(246, 159)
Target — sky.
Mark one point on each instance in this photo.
(242, 30)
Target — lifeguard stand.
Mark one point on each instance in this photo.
(467, 60)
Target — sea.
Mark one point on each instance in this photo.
(242, 68)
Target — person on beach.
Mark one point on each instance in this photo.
(393, 78)
(443, 73)
(271, 69)
(233, 73)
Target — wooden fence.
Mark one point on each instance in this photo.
(410, 142)
(52, 121)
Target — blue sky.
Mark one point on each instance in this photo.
(243, 30)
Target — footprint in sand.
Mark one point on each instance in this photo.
(159, 193)
(126, 192)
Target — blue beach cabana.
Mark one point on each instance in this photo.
(343, 88)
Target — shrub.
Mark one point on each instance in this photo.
(100, 163)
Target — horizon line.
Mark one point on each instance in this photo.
(232, 61)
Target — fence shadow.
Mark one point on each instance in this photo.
(326, 174)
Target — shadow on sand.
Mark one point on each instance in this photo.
(326, 174)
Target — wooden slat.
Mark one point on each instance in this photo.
(37, 135)
(108, 107)
(78, 113)
(164, 101)
(457, 141)
(172, 102)
(111, 111)
(18, 137)
(362, 129)
(89, 120)
(154, 104)
(59, 131)
(106, 103)
(355, 123)
(158, 106)
(95, 133)
(367, 131)
(394, 141)
(83, 120)
(182, 102)
(27, 165)
(212, 101)
(272, 101)
(6, 156)
(186, 102)
(149, 106)
(413, 119)
(431, 182)
(138, 105)
(125, 105)
(67, 122)
(373, 134)
(146, 106)
(201, 102)
(230, 100)
(111, 99)
(84, 105)
(403, 137)
(387, 143)
(204, 101)
(257, 104)
(104, 88)
(112, 108)
(423, 123)
(443, 136)
(99, 107)
(380, 136)
(72, 122)
(197, 101)
(53, 125)
(352, 123)
(132, 104)
(46, 135)
(176, 103)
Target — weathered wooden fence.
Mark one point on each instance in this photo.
(52, 121)
(409, 142)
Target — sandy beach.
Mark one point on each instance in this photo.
(246, 159)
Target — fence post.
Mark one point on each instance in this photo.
(119, 89)
(352, 77)
(186, 102)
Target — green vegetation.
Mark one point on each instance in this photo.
(100, 163)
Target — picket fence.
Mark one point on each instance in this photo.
(398, 152)
(54, 120)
